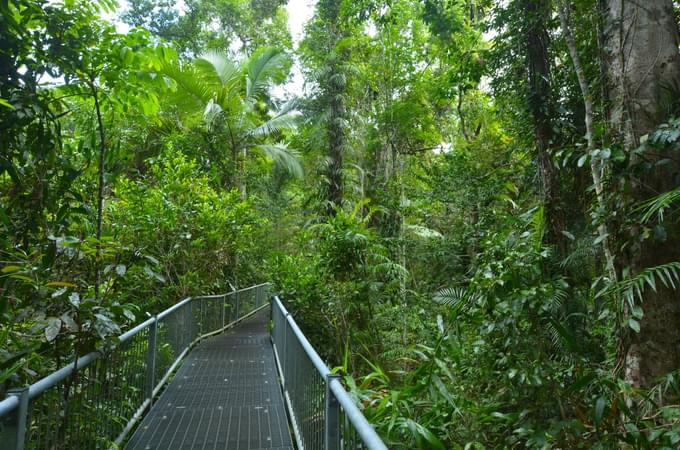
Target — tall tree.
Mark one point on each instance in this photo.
(235, 25)
(644, 69)
(541, 107)
(329, 55)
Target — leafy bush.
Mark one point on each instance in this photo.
(195, 234)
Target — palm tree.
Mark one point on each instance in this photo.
(231, 95)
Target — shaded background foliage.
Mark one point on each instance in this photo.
(444, 248)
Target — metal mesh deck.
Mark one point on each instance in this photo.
(225, 396)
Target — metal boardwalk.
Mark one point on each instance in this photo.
(226, 395)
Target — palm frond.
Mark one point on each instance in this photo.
(211, 112)
(283, 120)
(633, 288)
(218, 62)
(658, 205)
(266, 65)
(190, 81)
(283, 157)
(457, 298)
(561, 336)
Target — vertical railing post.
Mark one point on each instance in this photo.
(271, 309)
(284, 366)
(224, 305)
(190, 307)
(332, 425)
(15, 437)
(238, 305)
(151, 359)
(200, 317)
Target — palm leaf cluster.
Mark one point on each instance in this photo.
(233, 97)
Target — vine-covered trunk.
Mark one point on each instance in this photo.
(335, 86)
(597, 166)
(541, 106)
(644, 64)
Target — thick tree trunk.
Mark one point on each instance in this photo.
(643, 63)
(540, 107)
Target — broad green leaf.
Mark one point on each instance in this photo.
(634, 325)
(52, 329)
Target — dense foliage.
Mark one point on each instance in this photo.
(471, 207)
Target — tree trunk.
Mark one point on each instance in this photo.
(643, 61)
(537, 14)
(100, 191)
(597, 166)
(335, 86)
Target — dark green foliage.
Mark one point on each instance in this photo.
(444, 249)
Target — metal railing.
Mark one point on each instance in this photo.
(323, 415)
(95, 401)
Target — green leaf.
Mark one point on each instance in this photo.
(582, 160)
(69, 323)
(152, 274)
(582, 382)
(637, 312)
(60, 284)
(52, 329)
(600, 238)
(569, 235)
(129, 314)
(74, 299)
(6, 104)
(634, 325)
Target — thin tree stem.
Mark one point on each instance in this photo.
(101, 188)
(597, 168)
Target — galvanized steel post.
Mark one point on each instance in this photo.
(190, 307)
(238, 305)
(332, 425)
(224, 304)
(285, 349)
(151, 360)
(17, 436)
(200, 317)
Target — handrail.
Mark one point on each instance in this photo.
(126, 379)
(304, 393)
(308, 348)
(8, 404)
(356, 417)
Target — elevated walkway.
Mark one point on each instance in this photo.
(206, 373)
(226, 395)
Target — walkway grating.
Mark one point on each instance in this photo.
(225, 396)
